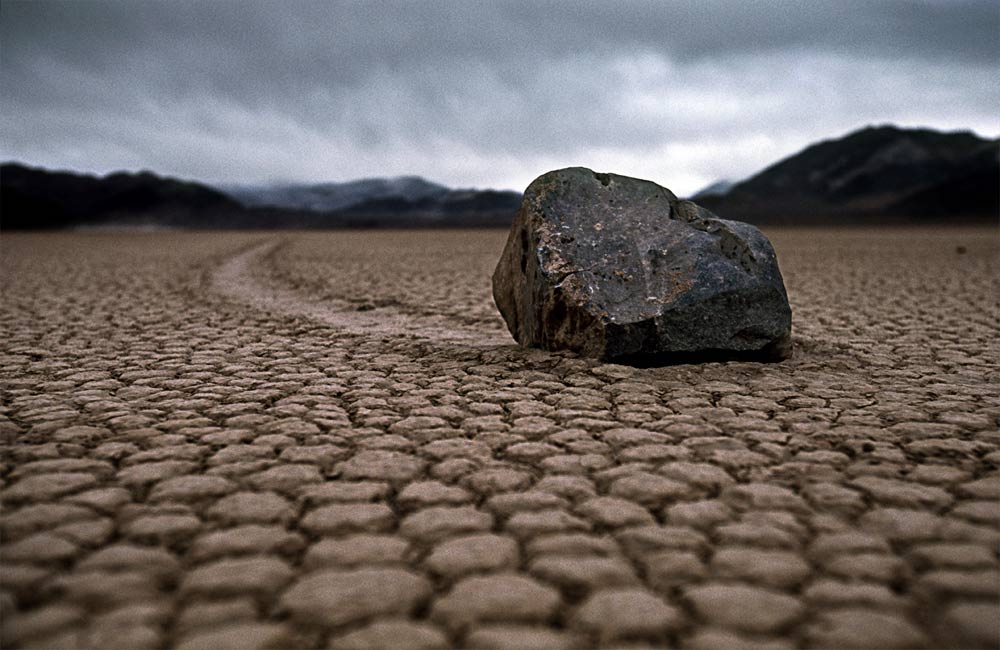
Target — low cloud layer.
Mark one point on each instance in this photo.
(479, 94)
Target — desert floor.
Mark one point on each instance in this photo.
(329, 440)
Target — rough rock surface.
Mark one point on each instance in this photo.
(614, 267)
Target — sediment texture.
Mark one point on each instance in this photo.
(329, 441)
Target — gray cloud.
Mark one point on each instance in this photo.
(478, 93)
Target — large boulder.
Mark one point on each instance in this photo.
(619, 268)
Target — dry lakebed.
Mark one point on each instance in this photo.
(330, 440)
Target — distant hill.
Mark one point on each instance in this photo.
(38, 199)
(404, 201)
(467, 208)
(716, 188)
(330, 197)
(878, 174)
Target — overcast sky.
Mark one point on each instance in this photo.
(483, 94)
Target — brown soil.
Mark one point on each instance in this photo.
(329, 440)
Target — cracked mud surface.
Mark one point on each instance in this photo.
(329, 440)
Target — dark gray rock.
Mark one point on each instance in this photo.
(618, 268)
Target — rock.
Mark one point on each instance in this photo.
(619, 268)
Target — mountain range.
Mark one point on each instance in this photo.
(330, 197)
(38, 199)
(876, 175)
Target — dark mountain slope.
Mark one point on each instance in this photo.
(971, 189)
(877, 173)
(38, 199)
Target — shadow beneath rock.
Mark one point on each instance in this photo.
(699, 357)
(779, 350)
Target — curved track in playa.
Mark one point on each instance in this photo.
(240, 278)
(328, 440)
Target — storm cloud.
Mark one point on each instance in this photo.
(479, 94)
